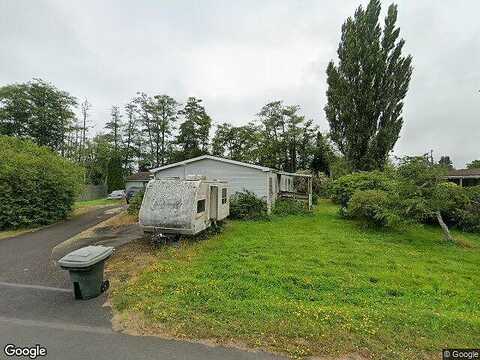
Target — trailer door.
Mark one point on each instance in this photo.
(213, 202)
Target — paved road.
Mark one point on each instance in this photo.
(26, 259)
(37, 307)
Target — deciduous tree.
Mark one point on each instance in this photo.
(367, 88)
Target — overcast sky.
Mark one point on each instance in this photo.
(239, 55)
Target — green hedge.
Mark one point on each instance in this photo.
(37, 186)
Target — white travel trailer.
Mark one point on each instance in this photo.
(183, 206)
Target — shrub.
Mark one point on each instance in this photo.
(321, 185)
(450, 199)
(37, 186)
(342, 190)
(468, 218)
(135, 203)
(247, 206)
(375, 207)
(284, 207)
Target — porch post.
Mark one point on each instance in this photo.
(310, 182)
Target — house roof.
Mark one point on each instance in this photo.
(463, 173)
(292, 174)
(210, 157)
(140, 176)
(228, 161)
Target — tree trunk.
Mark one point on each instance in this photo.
(444, 227)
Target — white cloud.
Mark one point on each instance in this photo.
(237, 56)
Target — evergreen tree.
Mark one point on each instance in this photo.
(164, 115)
(115, 126)
(366, 89)
(323, 155)
(446, 162)
(193, 137)
(240, 143)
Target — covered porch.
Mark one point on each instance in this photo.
(464, 177)
(301, 188)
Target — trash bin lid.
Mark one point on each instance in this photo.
(86, 256)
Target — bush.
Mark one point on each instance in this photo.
(375, 207)
(450, 199)
(284, 207)
(342, 190)
(321, 185)
(37, 186)
(135, 203)
(468, 218)
(247, 206)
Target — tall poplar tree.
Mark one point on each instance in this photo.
(366, 89)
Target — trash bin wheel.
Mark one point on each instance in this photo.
(105, 286)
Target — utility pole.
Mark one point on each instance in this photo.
(85, 107)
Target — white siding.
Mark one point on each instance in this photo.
(239, 177)
(132, 183)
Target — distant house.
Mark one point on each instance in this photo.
(264, 182)
(464, 177)
(138, 180)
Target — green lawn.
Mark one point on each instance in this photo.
(316, 285)
(81, 207)
(11, 233)
(96, 202)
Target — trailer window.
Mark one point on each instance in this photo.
(200, 206)
(224, 195)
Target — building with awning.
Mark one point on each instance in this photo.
(464, 177)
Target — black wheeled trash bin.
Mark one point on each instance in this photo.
(85, 266)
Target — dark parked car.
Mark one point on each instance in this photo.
(131, 192)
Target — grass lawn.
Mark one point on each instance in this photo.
(81, 207)
(312, 285)
(10, 233)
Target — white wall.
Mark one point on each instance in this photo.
(238, 177)
(139, 184)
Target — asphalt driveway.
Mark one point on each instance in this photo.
(37, 306)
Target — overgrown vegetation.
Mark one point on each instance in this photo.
(247, 206)
(414, 191)
(342, 190)
(135, 203)
(37, 186)
(312, 285)
(284, 207)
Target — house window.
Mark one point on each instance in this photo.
(270, 185)
(224, 195)
(200, 206)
